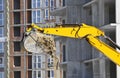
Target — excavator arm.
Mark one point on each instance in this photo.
(90, 33)
(74, 31)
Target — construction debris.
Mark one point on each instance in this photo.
(46, 43)
(37, 42)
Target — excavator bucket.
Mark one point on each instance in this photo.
(37, 42)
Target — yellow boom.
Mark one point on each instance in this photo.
(82, 31)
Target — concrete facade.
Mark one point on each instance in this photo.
(79, 59)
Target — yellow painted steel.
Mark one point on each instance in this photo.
(107, 50)
(84, 31)
(74, 32)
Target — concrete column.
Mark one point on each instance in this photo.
(102, 68)
(101, 8)
(118, 30)
(7, 49)
(101, 12)
(118, 42)
(95, 14)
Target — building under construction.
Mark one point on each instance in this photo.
(19, 15)
(77, 58)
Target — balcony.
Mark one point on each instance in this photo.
(63, 65)
(109, 27)
(59, 11)
(89, 3)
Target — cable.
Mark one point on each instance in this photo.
(113, 43)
